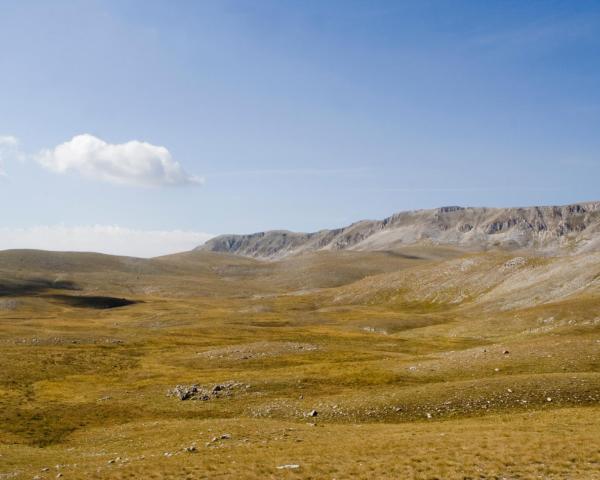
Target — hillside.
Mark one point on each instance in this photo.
(569, 228)
(424, 348)
(206, 273)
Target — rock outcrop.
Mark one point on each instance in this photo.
(557, 228)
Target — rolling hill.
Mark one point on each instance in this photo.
(448, 356)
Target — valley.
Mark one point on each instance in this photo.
(424, 361)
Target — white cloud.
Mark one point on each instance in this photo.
(131, 163)
(103, 239)
(8, 141)
(9, 150)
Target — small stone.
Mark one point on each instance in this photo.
(290, 466)
(313, 413)
(548, 399)
(191, 449)
(509, 390)
(225, 436)
(505, 352)
(428, 415)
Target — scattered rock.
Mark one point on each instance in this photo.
(290, 466)
(8, 304)
(183, 392)
(191, 449)
(224, 436)
(313, 413)
(514, 262)
(249, 351)
(204, 393)
(380, 331)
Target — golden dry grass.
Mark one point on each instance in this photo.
(407, 382)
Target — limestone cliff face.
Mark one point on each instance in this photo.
(560, 228)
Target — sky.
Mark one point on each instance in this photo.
(144, 127)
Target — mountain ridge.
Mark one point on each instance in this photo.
(565, 228)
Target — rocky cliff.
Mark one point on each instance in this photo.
(566, 228)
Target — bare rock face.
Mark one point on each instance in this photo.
(563, 228)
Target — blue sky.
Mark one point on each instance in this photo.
(296, 114)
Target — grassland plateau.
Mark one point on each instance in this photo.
(421, 361)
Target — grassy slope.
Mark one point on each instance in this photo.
(406, 366)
